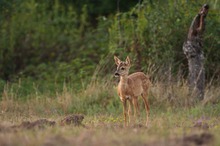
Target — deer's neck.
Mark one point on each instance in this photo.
(123, 81)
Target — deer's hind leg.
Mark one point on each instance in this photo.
(136, 107)
(147, 107)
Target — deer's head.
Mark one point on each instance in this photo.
(122, 66)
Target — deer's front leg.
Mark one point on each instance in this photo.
(125, 112)
(130, 111)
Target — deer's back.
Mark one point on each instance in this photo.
(139, 82)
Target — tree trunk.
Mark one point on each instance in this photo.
(193, 49)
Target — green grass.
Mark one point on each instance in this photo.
(108, 129)
(171, 117)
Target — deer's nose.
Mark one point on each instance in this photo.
(116, 74)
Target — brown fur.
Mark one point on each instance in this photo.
(130, 87)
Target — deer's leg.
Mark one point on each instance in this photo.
(136, 107)
(130, 110)
(147, 107)
(125, 111)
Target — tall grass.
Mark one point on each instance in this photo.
(172, 114)
(98, 96)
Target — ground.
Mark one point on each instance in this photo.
(167, 129)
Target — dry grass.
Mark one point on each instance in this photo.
(165, 129)
(173, 121)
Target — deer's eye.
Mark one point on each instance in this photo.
(122, 68)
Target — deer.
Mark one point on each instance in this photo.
(130, 87)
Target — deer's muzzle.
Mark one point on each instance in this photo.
(117, 74)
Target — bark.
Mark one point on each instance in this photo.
(193, 49)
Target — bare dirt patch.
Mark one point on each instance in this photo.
(203, 139)
(40, 124)
(198, 139)
(75, 120)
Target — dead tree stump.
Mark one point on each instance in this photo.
(193, 49)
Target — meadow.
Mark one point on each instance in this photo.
(56, 73)
(174, 118)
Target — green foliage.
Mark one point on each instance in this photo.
(53, 42)
(100, 7)
(48, 42)
(153, 34)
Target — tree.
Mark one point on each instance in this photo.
(193, 49)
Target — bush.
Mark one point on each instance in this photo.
(49, 41)
(153, 34)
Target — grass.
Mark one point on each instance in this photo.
(172, 118)
(108, 129)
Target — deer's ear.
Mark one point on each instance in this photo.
(117, 61)
(128, 61)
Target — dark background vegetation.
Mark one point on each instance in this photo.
(66, 41)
